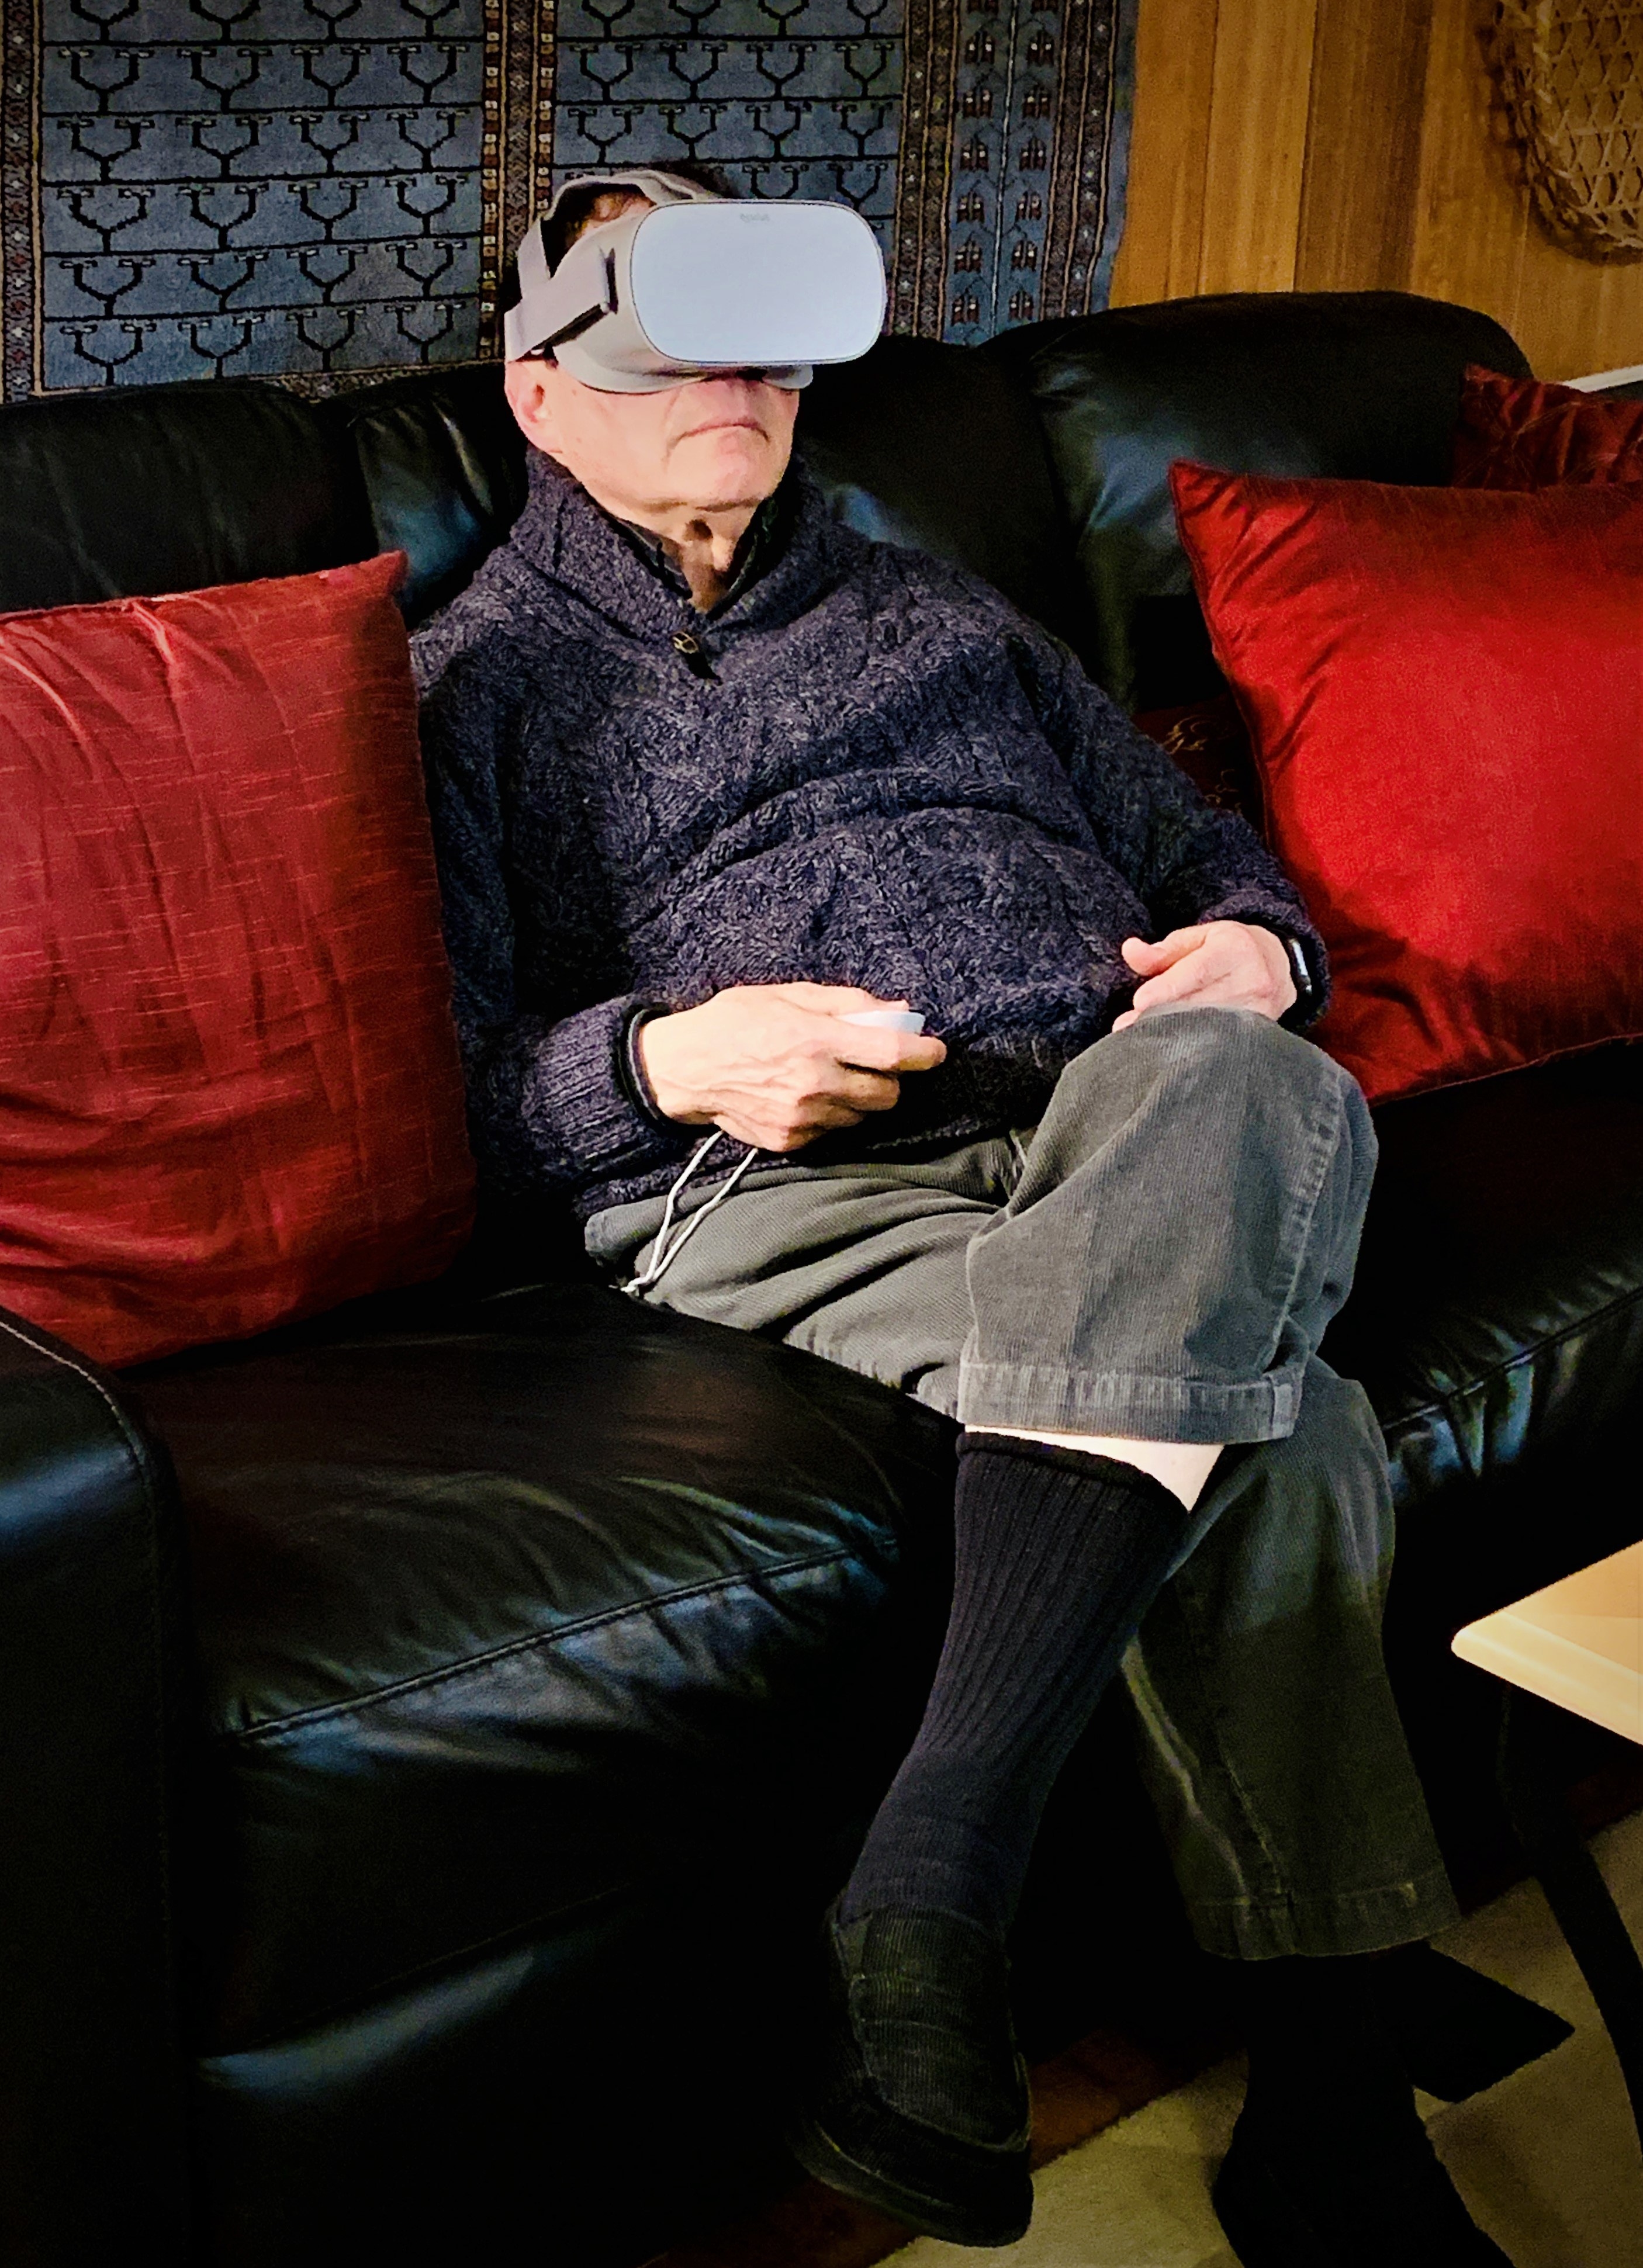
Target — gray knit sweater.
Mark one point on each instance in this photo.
(873, 772)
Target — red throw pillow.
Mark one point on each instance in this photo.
(1444, 688)
(1517, 433)
(229, 1086)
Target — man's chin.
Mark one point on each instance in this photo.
(718, 473)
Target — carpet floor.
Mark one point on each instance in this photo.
(1547, 2161)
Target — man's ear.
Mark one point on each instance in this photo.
(529, 385)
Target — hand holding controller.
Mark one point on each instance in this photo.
(769, 1064)
(888, 1019)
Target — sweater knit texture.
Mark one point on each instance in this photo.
(890, 778)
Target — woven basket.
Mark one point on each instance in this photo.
(1573, 75)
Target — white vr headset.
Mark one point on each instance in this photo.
(695, 284)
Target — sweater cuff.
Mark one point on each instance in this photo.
(577, 1094)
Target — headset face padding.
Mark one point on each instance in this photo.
(691, 284)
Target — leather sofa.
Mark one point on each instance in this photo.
(429, 1733)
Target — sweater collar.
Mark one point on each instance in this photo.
(760, 546)
(792, 550)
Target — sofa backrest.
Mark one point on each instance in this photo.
(147, 488)
(1342, 385)
(1039, 461)
(444, 469)
(918, 443)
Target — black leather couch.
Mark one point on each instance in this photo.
(429, 1733)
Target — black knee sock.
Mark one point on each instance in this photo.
(1058, 1554)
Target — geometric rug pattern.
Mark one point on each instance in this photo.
(325, 190)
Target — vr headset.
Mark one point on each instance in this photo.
(697, 283)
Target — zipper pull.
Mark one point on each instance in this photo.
(695, 656)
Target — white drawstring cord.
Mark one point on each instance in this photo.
(662, 1254)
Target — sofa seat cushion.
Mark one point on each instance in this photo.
(1498, 1310)
(506, 1606)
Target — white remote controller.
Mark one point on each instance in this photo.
(888, 1019)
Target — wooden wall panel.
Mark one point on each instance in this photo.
(1363, 144)
(1163, 230)
(1252, 212)
(1471, 220)
(1202, 216)
(1477, 236)
(1351, 146)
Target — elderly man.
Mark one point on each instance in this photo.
(712, 780)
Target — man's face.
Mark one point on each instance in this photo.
(711, 445)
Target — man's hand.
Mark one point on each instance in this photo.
(1221, 964)
(774, 1065)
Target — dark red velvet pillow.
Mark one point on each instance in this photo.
(1444, 690)
(1517, 433)
(229, 1086)
(1208, 740)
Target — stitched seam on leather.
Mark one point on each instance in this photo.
(1444, 1403)
(51, 1354)
(496, 1942)
(273, 1726)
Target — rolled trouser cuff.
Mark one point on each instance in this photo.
(1361, 1921)
(1050, 1398)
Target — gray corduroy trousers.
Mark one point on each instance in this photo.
(1157, 1259)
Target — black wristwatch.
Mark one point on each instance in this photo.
(1308, 989)
(631, 1065)
(1301, 969)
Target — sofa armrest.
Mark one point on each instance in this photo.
(92, 2161)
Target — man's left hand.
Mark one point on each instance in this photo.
(1221, 964)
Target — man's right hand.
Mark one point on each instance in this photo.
(774, 1065)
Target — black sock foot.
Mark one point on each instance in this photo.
(917, 2102)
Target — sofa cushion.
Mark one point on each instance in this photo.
(1517, 433)
(148, 489)
(1356, 385)
(230, 1091)
(935, 447)
(538, 1600)
(443, 468)
(510, 1606)
(1444, 693)
(1498, 1311)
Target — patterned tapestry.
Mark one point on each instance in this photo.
(326, 190)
